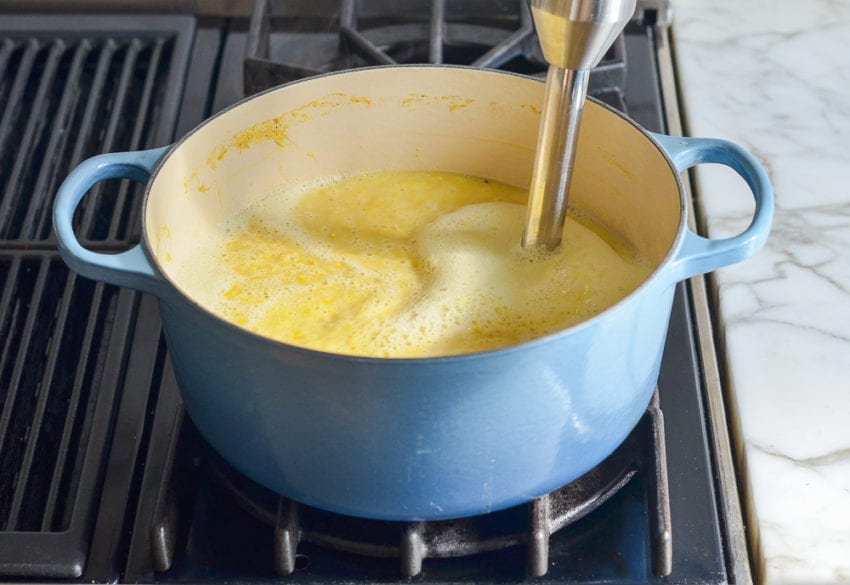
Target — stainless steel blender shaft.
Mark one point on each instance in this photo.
(574, 36)
(546, 211)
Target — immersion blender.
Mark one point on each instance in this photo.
(574, 36)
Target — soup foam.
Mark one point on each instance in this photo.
(404, 264)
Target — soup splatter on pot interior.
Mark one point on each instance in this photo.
(404, 264)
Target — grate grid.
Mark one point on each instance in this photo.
(67, 100)
(55, 353)
(70, 88)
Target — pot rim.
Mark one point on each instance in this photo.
(650, 280)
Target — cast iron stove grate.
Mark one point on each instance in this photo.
(360, 33)
(65, 96)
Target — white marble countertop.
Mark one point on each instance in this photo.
(774, 76)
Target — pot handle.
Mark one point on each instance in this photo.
(698, 255)
(131, 268)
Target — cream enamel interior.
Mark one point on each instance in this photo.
(467, 121)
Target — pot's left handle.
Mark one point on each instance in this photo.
(131, 268)
(698, 255)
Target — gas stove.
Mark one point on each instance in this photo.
(103, 478)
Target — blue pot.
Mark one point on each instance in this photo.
(404, 439)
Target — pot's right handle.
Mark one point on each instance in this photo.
(698, 255)
(131, 268)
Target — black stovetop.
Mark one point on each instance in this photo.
(102, 478)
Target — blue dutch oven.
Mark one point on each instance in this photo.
(430, 438)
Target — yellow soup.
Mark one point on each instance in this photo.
(404, 264)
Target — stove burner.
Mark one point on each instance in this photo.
(371, 32)
(532, 524)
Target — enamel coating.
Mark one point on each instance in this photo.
(415, 438)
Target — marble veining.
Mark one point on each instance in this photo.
(775, 77)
